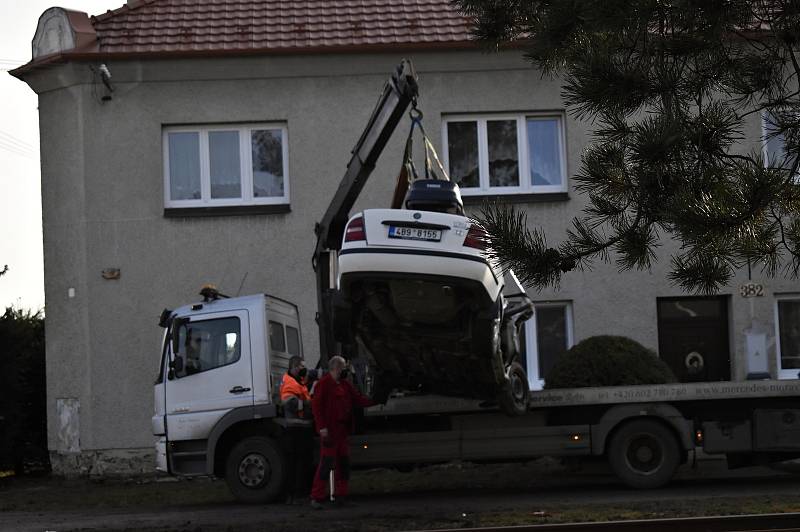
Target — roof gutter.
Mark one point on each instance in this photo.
(75, 55)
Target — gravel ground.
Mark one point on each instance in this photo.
(452, 496)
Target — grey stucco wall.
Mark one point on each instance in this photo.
(103, 190)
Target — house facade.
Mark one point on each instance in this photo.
(185, 143)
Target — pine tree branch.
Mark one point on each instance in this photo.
(514, 246)
(672, 86)
(792, 251)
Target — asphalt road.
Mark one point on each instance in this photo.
(786, 522)
(459, 507)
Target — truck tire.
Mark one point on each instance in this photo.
(513, 397)
(644, 454)
(255, 470)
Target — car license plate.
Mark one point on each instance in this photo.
(414, 233)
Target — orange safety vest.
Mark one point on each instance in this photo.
(291, 388)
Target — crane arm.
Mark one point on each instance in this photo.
(398, 93)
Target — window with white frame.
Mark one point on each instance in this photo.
(226, 165)
(774, 146)
(506, 154)
(546, 337)
(787, 334)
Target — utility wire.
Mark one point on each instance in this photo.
(17, 152)
(9, 141)
(30, 154)
(16, 140)
(16, 146)
(24, 155)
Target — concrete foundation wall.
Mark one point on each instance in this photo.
(104, 463)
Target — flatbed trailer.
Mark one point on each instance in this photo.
(644, 431)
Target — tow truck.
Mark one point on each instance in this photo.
(217, 412)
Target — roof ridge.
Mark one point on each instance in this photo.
(130, 5)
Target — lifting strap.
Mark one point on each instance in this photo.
(408, 171)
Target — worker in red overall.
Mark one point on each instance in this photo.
(332, 406)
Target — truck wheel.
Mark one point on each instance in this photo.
(256, 470)
(644, 454)
(514, 396)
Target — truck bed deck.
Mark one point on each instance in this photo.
(651, 393)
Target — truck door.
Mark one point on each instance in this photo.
(211, 373)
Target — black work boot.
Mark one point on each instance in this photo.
(343, 502)
(317, 505)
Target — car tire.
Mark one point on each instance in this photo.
(255, 470)
(644, 453)
(515, 393)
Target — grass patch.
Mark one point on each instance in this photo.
(58, 494)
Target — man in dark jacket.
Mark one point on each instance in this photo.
(332, 405)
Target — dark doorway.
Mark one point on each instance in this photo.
(693, 337)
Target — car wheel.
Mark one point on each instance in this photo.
(256, 470)
(514, 396)
(644, 454)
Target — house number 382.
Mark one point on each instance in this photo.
(751, 290)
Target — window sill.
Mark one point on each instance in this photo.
(517, 198)
(235, 210)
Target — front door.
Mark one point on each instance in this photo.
(214, 375)
(693, 337)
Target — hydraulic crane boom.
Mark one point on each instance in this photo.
(400, 91)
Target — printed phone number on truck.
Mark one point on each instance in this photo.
(648, 394)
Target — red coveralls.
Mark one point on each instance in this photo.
(332, 406)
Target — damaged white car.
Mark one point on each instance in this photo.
(433, 315)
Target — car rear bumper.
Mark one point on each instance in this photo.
(420, 262)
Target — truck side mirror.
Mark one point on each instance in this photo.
(176, 366)
(177, 324)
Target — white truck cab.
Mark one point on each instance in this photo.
(217, 387)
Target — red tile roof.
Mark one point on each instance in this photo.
(157, 26)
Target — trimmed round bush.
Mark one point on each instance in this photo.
(608, 361)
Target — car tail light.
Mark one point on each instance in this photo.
(355, 230)
(476, 237)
